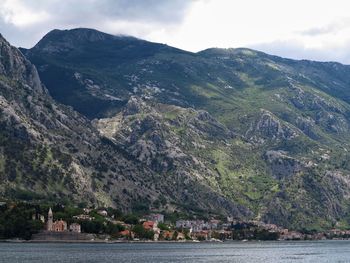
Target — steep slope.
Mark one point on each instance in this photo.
(181, 142)
(275, 137)
(49, 151)
(100, 72)
(70, 57)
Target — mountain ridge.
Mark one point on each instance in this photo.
(126, 36)
(266, 134)
(50, 152)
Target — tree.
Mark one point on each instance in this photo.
(131, 219)
(163, 226)
(140, 232)
(94, 226)
(16, 222)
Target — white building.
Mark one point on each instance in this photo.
(156, 217)
(75, 227)
(192, 225)
(102, 212)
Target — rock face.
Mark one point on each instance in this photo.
(269, 127)
(152, 134)
(158, 136)
(256, 135)
(282, 165)
(49, 151)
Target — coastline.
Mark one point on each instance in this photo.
(97, 241)
(101, 241)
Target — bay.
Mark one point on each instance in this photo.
(251, 252)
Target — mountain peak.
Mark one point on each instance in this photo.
(64, 40)
(78, 34)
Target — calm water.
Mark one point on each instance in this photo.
(321, 251)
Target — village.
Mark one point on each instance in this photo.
(156, 227)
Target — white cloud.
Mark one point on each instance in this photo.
(16, 14)
(312, 29)
(22, 21)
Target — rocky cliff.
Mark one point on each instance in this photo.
(50, 152)
(253, 134)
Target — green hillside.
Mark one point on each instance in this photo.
(267, 133)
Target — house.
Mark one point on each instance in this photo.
(87, 210)
(152, 226)
(283, 231)
(167, 235)
(38, 217)
(102, 212)
(156, 217)
(84, 217)
(183, 224)
(192, 225)
(126, 234)
(75, 227)
(201, 235)
(214, 224)
(180, 236)
(336, 232)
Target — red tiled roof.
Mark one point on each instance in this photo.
(124, 233)
(148, 225)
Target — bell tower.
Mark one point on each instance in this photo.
(49, 220)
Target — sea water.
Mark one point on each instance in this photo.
(250, 252)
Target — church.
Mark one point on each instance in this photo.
(60, 225)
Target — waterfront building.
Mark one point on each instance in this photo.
(60, 225)
(153, 226)
(75, 227)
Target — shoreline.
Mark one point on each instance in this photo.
(99, 241)
(153, 242)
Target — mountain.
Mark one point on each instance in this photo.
(48, 151)
(92, 52)
(268, 134)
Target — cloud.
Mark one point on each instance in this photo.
(165, 11)
(313, 29)
(22, 21)
(297, 50)
(330, 28)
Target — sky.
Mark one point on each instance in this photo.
(300, 29)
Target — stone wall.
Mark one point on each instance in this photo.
(61, 236)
